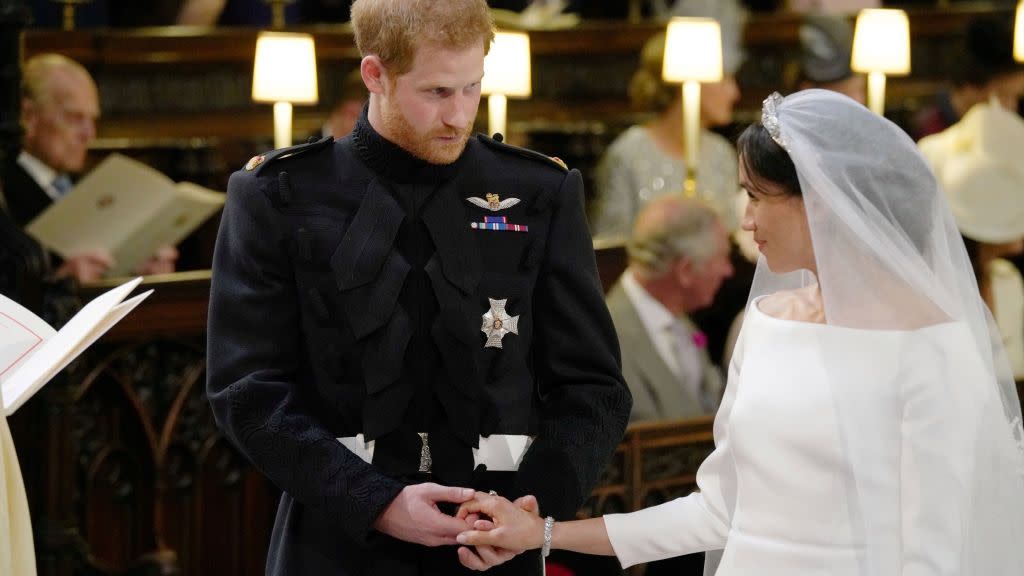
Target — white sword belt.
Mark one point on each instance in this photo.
(498, 452)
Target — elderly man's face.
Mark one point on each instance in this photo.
(704, 279)
(429, 110)
(61, 124)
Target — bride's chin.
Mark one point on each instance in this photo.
(776, 267)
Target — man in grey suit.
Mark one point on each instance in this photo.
(678, 258)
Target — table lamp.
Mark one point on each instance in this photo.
(1018, 33)
(284, 73)
(506, 73)
(881, 45)
(693, 54)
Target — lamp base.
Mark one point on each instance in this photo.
(497, 114)
(876, 92)
(68, 12)
(690, 184)
(282, 124)
(691, 132)
(277, 7)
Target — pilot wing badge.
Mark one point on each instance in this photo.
(493, 202)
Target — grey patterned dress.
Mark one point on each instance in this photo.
(634, 171)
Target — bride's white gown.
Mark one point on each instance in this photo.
(777, 492)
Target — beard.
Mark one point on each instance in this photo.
(424, 145)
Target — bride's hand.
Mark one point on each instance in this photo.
(485, 557)
(512, 526)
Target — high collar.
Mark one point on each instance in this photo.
(394, 162)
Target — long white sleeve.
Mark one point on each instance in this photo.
(695, 523)
(681, 526)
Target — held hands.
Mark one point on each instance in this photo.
(513, 528)
(413, 516)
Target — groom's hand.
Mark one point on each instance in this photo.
(413, 516)
(486, 557)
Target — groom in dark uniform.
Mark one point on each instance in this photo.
(410, 311)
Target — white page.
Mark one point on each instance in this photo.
(126, 208)
(104, 208)
(21, 333)
(192, 206)
(56, 352)
(116, 314)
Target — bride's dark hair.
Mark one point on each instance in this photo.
(764, 159)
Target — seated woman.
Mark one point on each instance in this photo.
(870, 424)
(647, 161)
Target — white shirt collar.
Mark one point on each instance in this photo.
(40, 172)
(655, 317)
(665, 330)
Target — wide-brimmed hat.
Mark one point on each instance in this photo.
(978, 163)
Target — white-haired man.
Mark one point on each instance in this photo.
(678, 258)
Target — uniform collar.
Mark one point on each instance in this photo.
(394, 162)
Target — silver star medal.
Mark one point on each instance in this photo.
(497, 323)
(493, 202)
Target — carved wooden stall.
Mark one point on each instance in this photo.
(125, 468)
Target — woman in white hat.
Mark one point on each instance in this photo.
(978, 164)
(870, 425)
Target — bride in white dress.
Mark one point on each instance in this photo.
(870, 425)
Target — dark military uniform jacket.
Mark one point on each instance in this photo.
(25, 198)
(26, 268)
(350, 283)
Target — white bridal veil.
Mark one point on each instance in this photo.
(889, 257)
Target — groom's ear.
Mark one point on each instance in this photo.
(374, 73)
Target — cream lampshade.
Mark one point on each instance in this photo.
(693, 54)
(881, 46)
(284, 73)
(506, 74)
(1018, 33)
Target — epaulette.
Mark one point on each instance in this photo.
(260, 161)
(524, 152)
